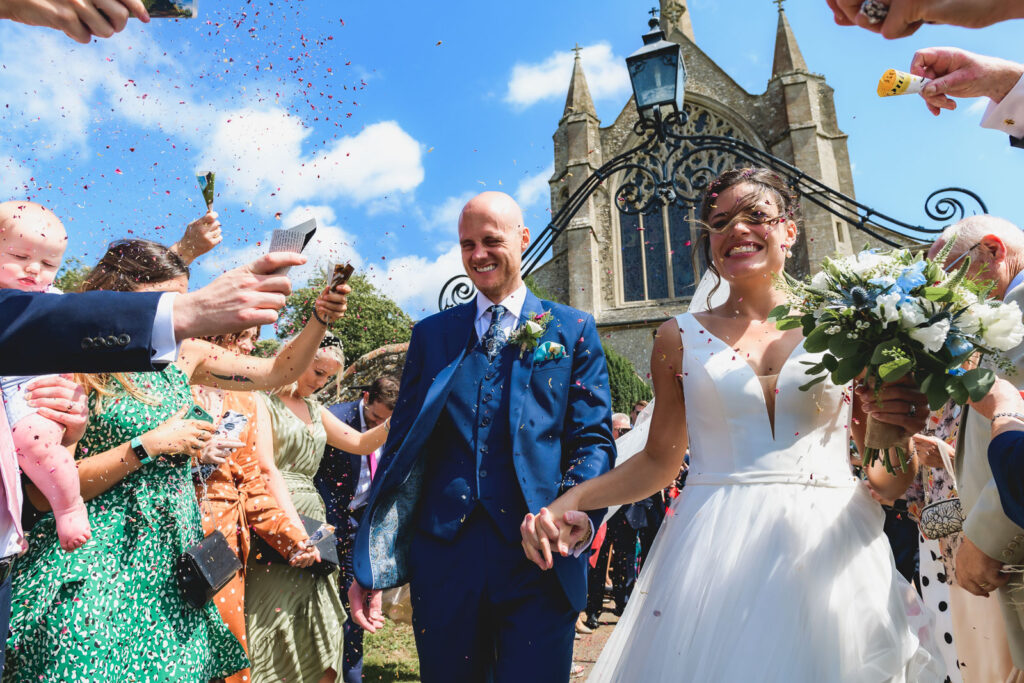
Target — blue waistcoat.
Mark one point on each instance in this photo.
(472, 463)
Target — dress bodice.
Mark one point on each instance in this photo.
(727, 419)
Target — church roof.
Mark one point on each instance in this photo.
(578, 100)
(787, 53)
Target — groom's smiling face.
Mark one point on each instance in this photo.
(492, 237)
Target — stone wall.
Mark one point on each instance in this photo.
(349, 386)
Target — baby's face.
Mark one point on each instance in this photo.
(32, 243)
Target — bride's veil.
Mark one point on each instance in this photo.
(633, 441)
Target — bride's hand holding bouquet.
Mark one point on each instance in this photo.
(895, 317)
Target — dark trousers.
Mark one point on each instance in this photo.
(483, 612)
(352, 658)
(5, 618)
(622, 537)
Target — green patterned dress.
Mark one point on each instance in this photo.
(111, 610)
(292, 616)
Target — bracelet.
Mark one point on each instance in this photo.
(1019, 417)
(319, 319)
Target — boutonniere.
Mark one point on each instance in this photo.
(529, 333)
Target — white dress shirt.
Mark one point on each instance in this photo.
(1007, 115)
(513, 304)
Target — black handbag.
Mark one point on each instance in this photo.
(328, 550)
(205, 568)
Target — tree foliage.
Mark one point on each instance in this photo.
(627, 387)
(71, 275)
(372, 320)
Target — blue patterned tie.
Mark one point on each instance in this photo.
(494, 338)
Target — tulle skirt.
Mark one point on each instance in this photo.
(772, 582)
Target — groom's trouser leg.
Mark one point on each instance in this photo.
(533, 622)
(595, 580)
(447, 582)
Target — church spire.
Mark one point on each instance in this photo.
(675, 19)
(578, 101)
(787, 52)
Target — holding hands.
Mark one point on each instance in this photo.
(560, 526)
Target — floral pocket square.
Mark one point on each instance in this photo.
(549, 351)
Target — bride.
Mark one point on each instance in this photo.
(772, 565)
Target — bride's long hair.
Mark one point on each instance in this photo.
(766, 181)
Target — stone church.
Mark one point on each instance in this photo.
(633, 271)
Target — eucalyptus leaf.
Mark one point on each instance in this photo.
(847, 369)
(895, 369)
(816, 380)
(978, 382)
(817, 341)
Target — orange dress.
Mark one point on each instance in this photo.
(236, 501)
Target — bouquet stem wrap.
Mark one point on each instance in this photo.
(882, 435)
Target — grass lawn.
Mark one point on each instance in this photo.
(390, 655)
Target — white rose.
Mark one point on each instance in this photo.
(820, 280)
(970, 320)
(864, 262)
(911, 315)
(887, 308)
(533, 328)
(933, 336)
(1003, 328)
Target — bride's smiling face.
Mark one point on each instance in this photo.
(750, 232)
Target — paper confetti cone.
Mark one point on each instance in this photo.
(206, 185)
(895, 82)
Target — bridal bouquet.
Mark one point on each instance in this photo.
(890, 314)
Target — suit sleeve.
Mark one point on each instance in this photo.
(407, 406)
(1006, 458)
(88, 332)
(588, 421)
(1008, 115)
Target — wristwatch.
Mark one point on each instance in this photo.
(140, 451)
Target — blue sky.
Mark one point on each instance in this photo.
(381, 120)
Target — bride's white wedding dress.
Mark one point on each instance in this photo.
(772, 564)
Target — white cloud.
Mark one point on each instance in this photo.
(534, 188)
(263, 152)
(415, 281)
(14, 179)
(606, 76)
(445, 216)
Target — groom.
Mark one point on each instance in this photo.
(493, 420)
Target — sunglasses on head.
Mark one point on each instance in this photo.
(958, 259)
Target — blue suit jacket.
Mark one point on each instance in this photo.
(1006, 458)
(339, 472)
(90, 332)
(560, 418)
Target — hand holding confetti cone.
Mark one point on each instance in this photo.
(895, 82)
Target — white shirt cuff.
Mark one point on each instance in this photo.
(165, 346)
(584, 545)
(1008, 115)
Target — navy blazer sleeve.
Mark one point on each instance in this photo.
(588, 419)
(89, 332)
(1006, 458)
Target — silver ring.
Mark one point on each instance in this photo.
(912, 411)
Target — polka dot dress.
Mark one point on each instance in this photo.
(112, 611)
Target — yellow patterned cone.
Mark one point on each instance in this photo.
(895, 82)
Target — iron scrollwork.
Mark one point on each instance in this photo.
(677, 158)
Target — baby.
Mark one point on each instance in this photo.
(32, 242)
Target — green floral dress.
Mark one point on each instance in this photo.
(111, 610)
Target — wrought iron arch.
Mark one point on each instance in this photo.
(671, 165)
